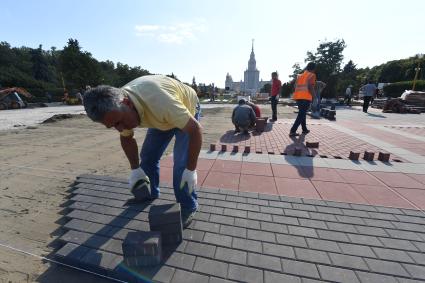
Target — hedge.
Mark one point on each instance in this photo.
(397, 89)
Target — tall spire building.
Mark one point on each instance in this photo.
(251, 75)
(251, 83)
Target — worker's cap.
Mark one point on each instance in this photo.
(242, 101)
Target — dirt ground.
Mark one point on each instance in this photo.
(38, 164)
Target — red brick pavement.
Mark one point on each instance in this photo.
(377, 188)
(418, 131)
(405, 142)
(275, 140)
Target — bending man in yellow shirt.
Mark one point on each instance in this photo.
(168, 108)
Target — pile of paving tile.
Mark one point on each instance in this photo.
(166, 219)
(142, 249)
(328, 113)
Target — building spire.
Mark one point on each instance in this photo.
(252, 49)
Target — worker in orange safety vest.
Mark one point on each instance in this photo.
(303, 95)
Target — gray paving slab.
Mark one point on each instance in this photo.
(248, 237)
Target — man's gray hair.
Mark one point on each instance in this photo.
(102, 99)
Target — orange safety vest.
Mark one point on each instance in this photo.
(301, 86)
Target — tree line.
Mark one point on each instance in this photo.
(53, 71)
(72, 68)
(329, 57)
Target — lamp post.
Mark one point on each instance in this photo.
(417, 69)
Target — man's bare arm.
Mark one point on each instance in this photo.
(129, 145)
(194, 130)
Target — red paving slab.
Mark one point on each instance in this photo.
(338, 192)
(166, 175)
(418, 131)
(260, 184)
(202, 175)
(358, 177)
(379, 195)
(414, 195)
(288, 171)
(221, 180)
(227, 166)
(417, 177)
(296, 188)
(398, 180)
(204, 164)
(254, 168)
(332, 143)
(392, 138)
(323, 174)
(377, 188)
(166, 162)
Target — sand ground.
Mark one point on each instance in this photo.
(37, 167)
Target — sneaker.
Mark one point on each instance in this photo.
(293, 134)
(187, 217)
(306, 132)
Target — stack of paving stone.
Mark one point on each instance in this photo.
(328, 113)
(166, 219)
(142, 249)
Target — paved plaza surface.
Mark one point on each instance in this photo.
(247, 237)
(270, 216)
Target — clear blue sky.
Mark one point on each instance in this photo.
(207, 39)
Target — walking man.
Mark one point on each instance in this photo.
(369, 91)
(167, 108)
(348, 95)
(274, 95)
(303, 95)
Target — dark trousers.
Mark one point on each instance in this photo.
(273, 100)
(348, 100)
(156, 141)
(303, 106)
(366, 101)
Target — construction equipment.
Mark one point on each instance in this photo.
(398, 105)
(10, 98)
(75, 99)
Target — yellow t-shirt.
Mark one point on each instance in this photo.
(162, 102)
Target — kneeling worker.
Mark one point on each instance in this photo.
(243, 117)
(168, 108)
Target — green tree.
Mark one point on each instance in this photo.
(328, 58)
(78, 68)
(346, 78)
(287, 89)
(173, 76)
(350, 68)
(296, 70)
(392, 72)
(40, 67)
(194, 85)
(266, 88)
(126, 73)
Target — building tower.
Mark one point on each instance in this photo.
(229, 82)
(251, 75)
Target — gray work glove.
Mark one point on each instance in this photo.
(190, 178)
(137, 175)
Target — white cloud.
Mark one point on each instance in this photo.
(177, 33)
(146, 28)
